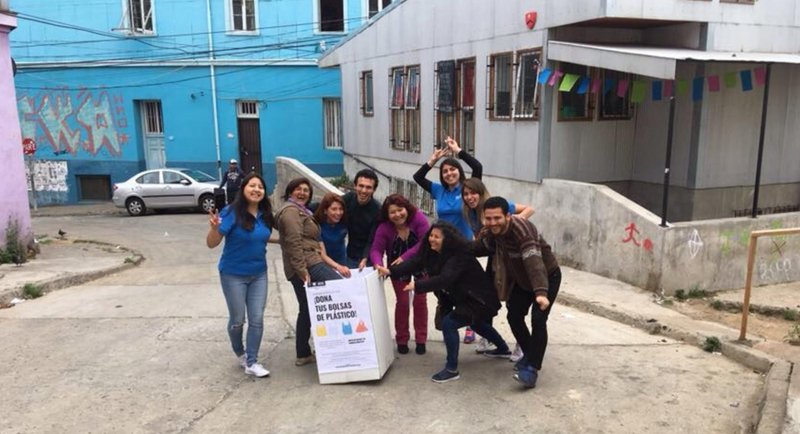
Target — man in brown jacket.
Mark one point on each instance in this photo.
(526, 271)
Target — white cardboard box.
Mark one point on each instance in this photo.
(350, 327)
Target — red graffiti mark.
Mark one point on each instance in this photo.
(778, 247)
(647, 244)
(123, 138)
(631, 229)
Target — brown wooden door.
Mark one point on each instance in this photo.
(249, 145)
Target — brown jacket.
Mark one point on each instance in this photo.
(299, 240)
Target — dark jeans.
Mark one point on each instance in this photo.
(450, 325)
(318, 273)
(533, 343)
(353, 262)
(230, 194)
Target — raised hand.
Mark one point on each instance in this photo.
(213, 219)
(452, 145)
(437, 154)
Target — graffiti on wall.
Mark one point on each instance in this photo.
(634, 237)
(695, 243)
(49, 179)
(95, 122)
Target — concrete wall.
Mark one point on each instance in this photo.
(13, 197)
(288, 169)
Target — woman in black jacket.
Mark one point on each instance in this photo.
(454, 273)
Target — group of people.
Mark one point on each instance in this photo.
(340, 233)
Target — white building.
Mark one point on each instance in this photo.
(468, 68)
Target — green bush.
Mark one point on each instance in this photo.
(790, 314)
(31, 290)
(14, 247)
(712, 344)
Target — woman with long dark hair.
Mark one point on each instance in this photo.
(333, 230)
(457, 274)
(246, 225)
(399, 235)
(302, 258)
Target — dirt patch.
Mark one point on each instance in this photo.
(771, 328)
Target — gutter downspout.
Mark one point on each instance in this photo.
(213, 87)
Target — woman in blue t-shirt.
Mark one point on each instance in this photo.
(333, 231)
(246, 225)
(448, 194)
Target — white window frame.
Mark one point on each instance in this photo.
(127, 21)
(365, 8)
(318, 19)
(243, 104)
(332, 134)
(231, 30)
(367, 89)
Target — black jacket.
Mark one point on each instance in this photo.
(461, 278)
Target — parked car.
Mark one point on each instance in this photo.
(166, 188)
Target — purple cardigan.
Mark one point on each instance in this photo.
(386, 233)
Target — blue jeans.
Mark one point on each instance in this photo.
(318, 273)
(450, 325)
(245, 294)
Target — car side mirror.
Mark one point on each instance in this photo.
(185, 182)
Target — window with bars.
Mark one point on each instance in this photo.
(152, 117)
(396, 107)
(376, 6)
(573, 106)
(455, 103)
(332, 108)
(414, 193)
(465, 120)
(526, 104)
(330, 15)
(612, 105)
(247, 109)
(243, 15)
(501, 77)
(412, 115)
(367, 105)
(139, 16)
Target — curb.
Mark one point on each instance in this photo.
(772, 400)
(56, 283)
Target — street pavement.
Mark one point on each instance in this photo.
(145, 350)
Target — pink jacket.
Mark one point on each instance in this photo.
(386, 233)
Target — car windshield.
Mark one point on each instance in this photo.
(198, 175)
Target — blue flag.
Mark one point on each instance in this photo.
(545, 75)
(584, 86)
(747, 80)
(657, 90)
(697, 88)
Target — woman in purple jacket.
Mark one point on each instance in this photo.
(401, 228)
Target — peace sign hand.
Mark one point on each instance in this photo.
(213, 219)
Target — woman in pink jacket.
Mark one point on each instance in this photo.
(400, 230)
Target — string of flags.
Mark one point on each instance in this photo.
(659, 89)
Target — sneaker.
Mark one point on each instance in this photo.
(498, 353)
(444, 376)
(469, 336)
(420, 349)
(402, 349)
(242, 360)
(516, 355)
(484, 346)
(527, 376)
(520, 363)
(302, 361)
(257, 370)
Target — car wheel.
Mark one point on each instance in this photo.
(207, 203)
(135, 207)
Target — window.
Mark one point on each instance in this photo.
(412, 116)
(455, 103)
(404, 99)
(367, 107)
(445, 107)
(376, 6)
(465, 120)
(152, 117)
(243, 15)
(397, 132)
(526, 104)
(173, 177)
(139, 16)
(148, 178)
(247, 109)
(500, 85)
(332, 108)
(612, 106)
(573, 106)
(330, 15)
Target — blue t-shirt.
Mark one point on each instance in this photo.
(449, 208)
(245, 252)
(332, 236)
(476, 225)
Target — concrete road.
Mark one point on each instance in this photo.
(146, 350)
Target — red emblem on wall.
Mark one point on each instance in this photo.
(530, 19)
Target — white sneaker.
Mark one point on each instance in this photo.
(257, 370)
(242, 360)
(516, 355)
(484, 346)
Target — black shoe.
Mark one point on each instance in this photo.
(402, 349)
(420, 349)
(444, 376)
(498, 353)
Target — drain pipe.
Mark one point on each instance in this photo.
(213, 86)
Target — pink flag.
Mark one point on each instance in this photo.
(596, 83)
(761, 75)
(667, 88)
(713, 83)
(622, 88)
(555, 77)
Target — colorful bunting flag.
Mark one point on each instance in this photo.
(657, 88)
(697, 89)
(730, 79)
(639, 91)
(596, 83)
(747, 80)
(668, 88)
(545, 75)
(681, 87)
(555, 77)
(608, 85)
(568, 82)
(584, 86)
(622, 88)
(713, 83)
(761, 75)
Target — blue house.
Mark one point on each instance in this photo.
(112, 87)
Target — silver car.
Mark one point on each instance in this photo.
(166, 188)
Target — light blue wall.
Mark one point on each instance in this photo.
(88, 116)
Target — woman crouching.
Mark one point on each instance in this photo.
(457, 275)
